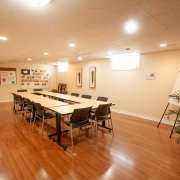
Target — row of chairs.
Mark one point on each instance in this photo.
(24, 106)
(25, 90)
(100, 98)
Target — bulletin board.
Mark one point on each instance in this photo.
(34, 79)
(8, 76)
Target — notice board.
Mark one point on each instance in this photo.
(34, 79)
(8, 76)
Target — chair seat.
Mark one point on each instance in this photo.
(49, 115)
(93, 110)
(100, 118)
(78, 125)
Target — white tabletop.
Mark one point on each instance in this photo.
(69, 109)
(44, 101)
(65, 97)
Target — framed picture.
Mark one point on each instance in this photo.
(150, 76)
(92, 77)
(79, 77)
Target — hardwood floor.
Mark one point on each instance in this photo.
(139, 150)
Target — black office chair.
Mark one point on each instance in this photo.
(15, 101)
(41, 113)
(64, 92)
(22, 90)
(36, 93)
(102, 113)
(86, 96)
(21, 106)
(29, 109)
(75, 94)
(37, 89)
(54, 90)
(101, 98)
(79, 118)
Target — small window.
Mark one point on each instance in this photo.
(129, 61)
(63, 67)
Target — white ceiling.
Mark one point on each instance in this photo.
(95, 26)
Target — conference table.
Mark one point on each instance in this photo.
(64, 97)
(44, 101)
(61, 108)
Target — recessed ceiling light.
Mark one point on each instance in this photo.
(108, 56)
(3, 38)
(80, 58)
(163, 45)
(39, 2)
(29, 59)
(72, 45)
(131, 26)
(46, 53)
(109, 53)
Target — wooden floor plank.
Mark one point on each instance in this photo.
(139, 150)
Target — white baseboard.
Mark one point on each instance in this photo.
(142, 116)
(9, 100)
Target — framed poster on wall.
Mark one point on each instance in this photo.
(7, 76)
(34, 78)
(79, 77)
(92, 77)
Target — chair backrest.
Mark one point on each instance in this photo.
(21, 101)
(101, 98)
(64, 92)
(29, 104)
(103, 110)
(37, 89)
(63, 87)
(86, 96)
(39, 109)
(22, 90)
(54, 90)
(15, 97)
(80, 115)
(75, 94)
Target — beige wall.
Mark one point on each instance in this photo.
(5, 90)
(138, 96)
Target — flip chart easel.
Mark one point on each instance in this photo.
(176, 88)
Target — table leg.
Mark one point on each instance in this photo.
(104, 126)
(58, 132)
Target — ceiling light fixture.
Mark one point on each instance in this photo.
(109, 53)
(72, 45)
(46, 53)
(40, 2)
(131, 27)
(80, 58)
(29, 59)
(163, 45)
(3, 38)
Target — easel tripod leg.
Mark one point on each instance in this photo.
(162, 116)
(174, 124)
